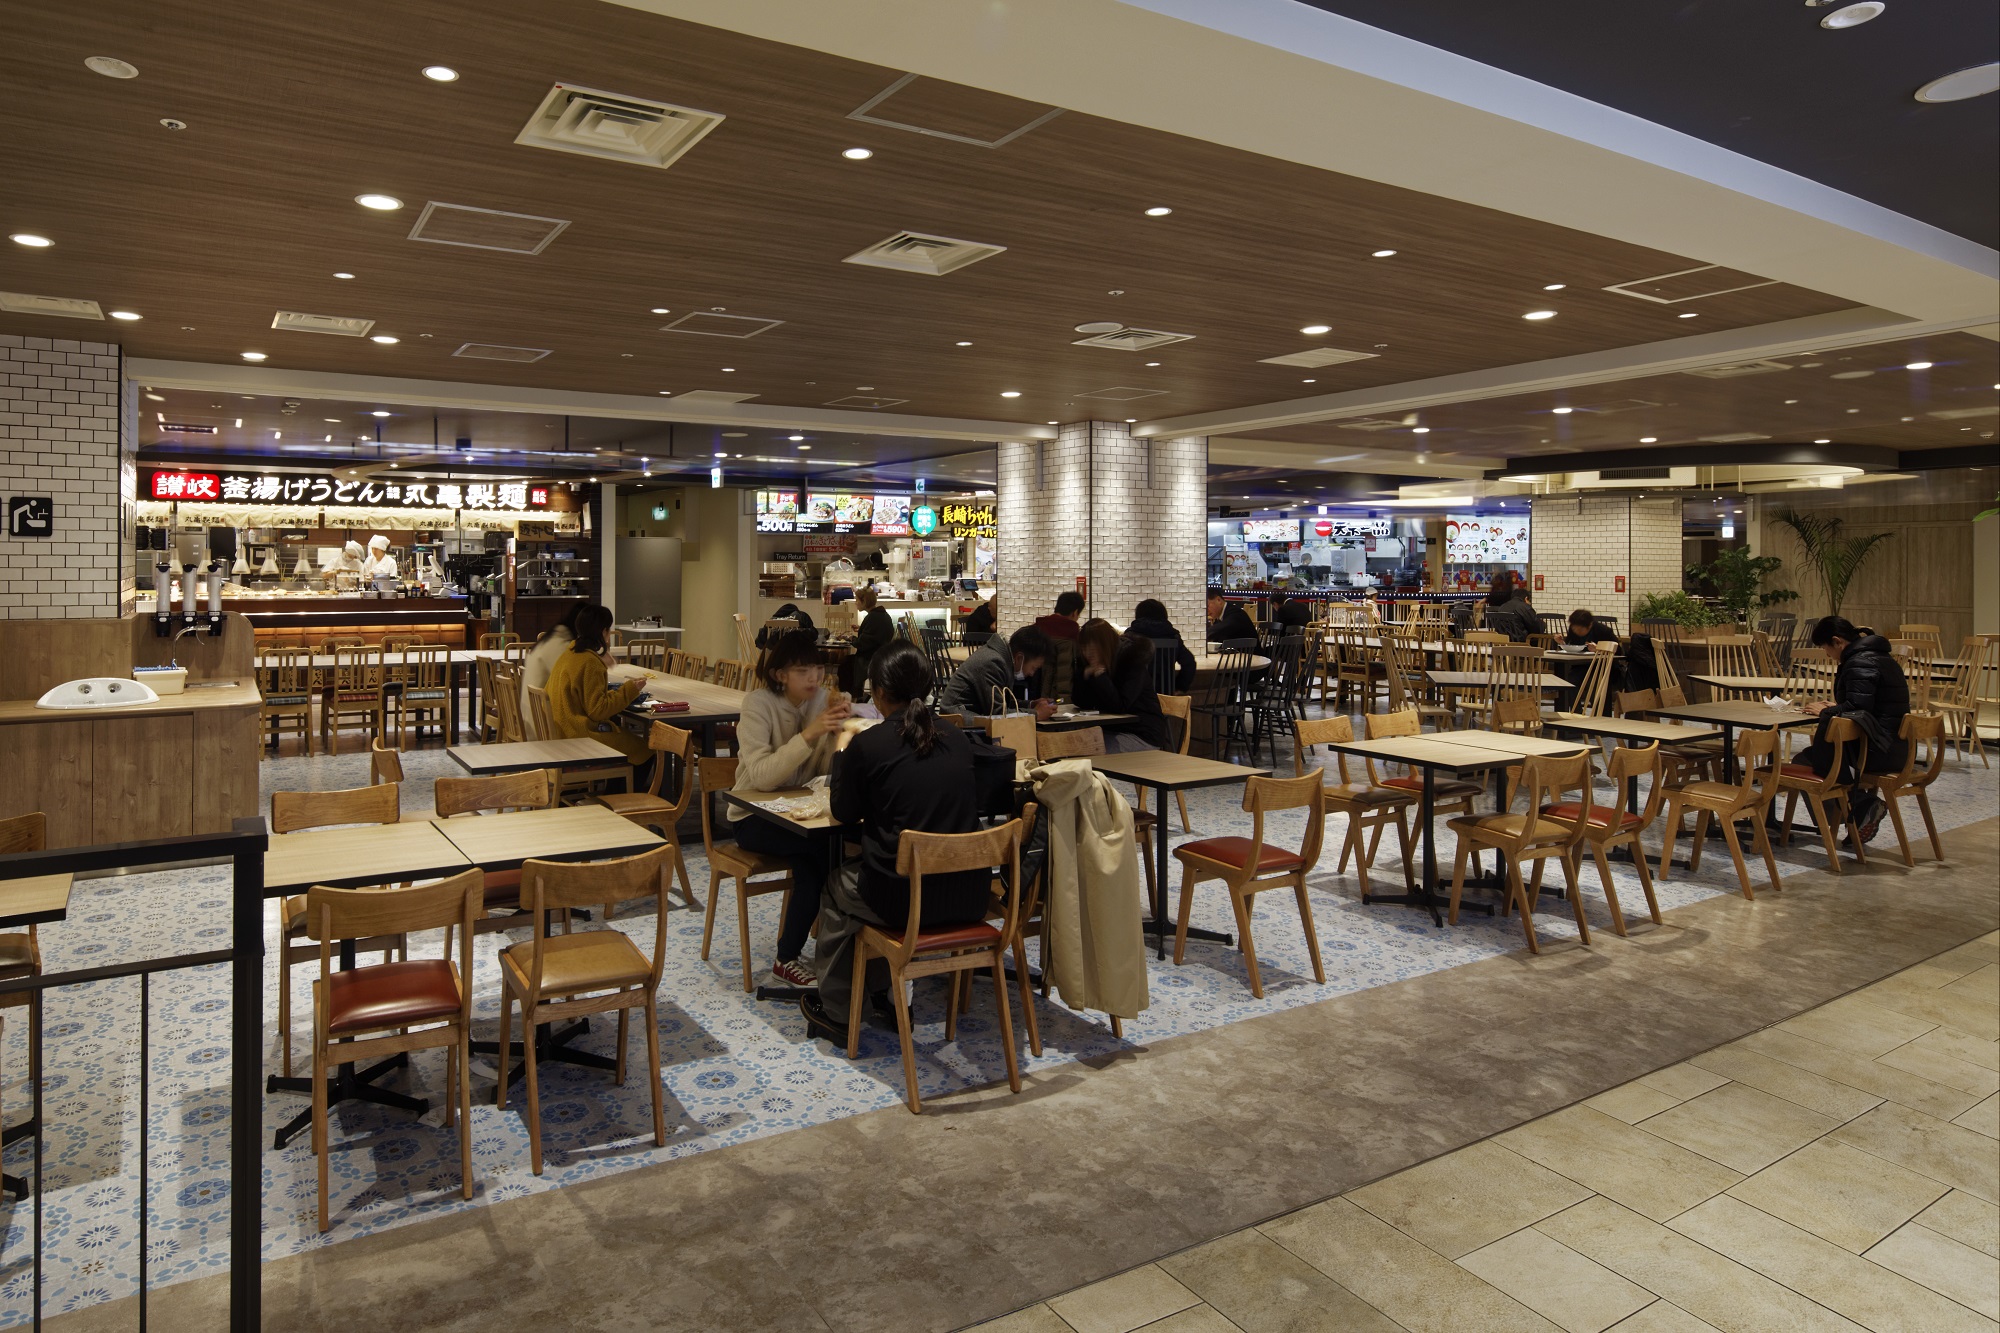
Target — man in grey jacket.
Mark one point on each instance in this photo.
(995, 665)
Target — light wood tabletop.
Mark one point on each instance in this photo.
(1479, 680)
(571, 833)
(514, 756)
(1632, 728)
(363, 854)
(1211, 661)
(1433, 751)
(35, 901)
(1773, 684)
(1740, 713)
(707, 701)
(1166, 771)
(1074, 722)
(764, 805)
(1514, 742)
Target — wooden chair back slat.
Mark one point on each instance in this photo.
(353, 914)
(533, 789)
(1078, 744)
(24, 833)
(292, 811)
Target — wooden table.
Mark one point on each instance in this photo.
(1212, 661)
(35, 901)
(1633, 731)
(569, 833)
(760, 806)
(346, 858)
(516, 756)
(709, 705)
(1163, 772)
(1074, 722)
(1731, 715)
(1479, 680)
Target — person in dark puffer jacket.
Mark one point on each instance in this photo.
(1868, 687)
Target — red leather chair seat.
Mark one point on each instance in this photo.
(391, 995)
(1236, 852)
(971, 935)
(1573, 810)
(1800, 771)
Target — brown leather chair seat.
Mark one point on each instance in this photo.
(1573, 810)
(1234, 851)
(385, 995)
(1806, 771)
(1448, 789)
(1363, 793)
(594, 960)
(971, 935)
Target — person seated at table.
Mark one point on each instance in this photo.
(1062, 624)
(583, 704)
(789, 611)
(541, 661)
(913, 770)
(875, 633)
(1587, 628)
(1227, 622)
(998, 664)
(1291, 612)
(1507, 609)
(1149, 620)
(1868, 688)
(982, 620)
(784, 738)
(1584, 629)
(1118, 678)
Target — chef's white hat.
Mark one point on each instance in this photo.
(352, 549)
(378, 543)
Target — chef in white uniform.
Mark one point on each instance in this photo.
(350, 563)
(379, 564)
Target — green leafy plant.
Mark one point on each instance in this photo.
(1833, 557)
(1685, 611)
(1988, 513)
(1738, 580)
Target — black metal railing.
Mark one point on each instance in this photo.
(243, 850)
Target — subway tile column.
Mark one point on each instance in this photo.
(68, 430)
(1583, 544)
(1128, 515)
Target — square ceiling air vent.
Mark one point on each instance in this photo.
(496, 352)
(711, 325)
(864, 401)
(1738, 369)
(1315, 357)
(917, 252)
(485, 228)
(617, 128)
(341, 326)
(69, 307)
(1134, 340)
(711, 397)
(1690, 284)
(1122, 393)
(953, 111)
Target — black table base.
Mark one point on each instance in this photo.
(347, 1085)
(551, 1047)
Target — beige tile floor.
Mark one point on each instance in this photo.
(1839, 1170)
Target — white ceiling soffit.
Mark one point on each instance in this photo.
(1235, 452)
(387, 390)
(1814, 333)
(1267, 76)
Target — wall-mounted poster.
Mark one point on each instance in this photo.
(1270, 529)
(1485, 539)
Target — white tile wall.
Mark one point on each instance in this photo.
(1092, 502)
(1582, 544)
(60, 430)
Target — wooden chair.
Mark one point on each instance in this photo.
(1611, 825)
(333, 643)
(1449, 794)
(1957, 701)
(1731, 655)
(1180, 707)
(531, 789)
(1925, 737)
(694, 666)
(1748, 798)
(385, 763)
(650, 809)
(746, 647)
(1933, 633)
(1827, 796)
(1473, 652)
(517, 651)
(285, 690)
(1409, 688)
(1080, 743)
(568, 976)
(385, 1009)
(292, 811)
(727, 860)
(494, 642)
(914, 951)
(1533, 836)
(734, 675)
(1596, 683)
(423, 681)
(21, 951)
(489, 703)
(1358, 667)
(1368, 808)
(396, 643)
(577, 782)
(1247, 867)
(506, 700)
(355, 694)
(648, 653)
(539, 717)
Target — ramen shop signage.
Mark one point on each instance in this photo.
(304, 488)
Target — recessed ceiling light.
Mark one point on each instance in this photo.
(239, 423)
(721, 453)
(1790, 402)
(729, 370)
(1852, 411)
(1158, 211)
(1562, 411)
(124, 314)
(805, 448)
(661, 310)
(964, 344)
(1540, 314)
(253, 356)
(1058, 423)
(1853, 16)
(1822, 441)
(32, 241)
(440, 73)
(795, 438)
(378, 413)
(334, 420)
(383, 338)
(111, 67)
(343, 275)
(857, 154)
(666, 393)
(1420, 430)
(1649, 439)
(1976, 81)
(158, 398)
(381, 203)
(1315, 330)
(1382, 254)
(1010, 393)
(1918, 365)
(1131, 421)
(1690, 314)
(1309, 381)
(1555, 286)
(1153, 364)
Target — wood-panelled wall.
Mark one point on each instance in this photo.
(1921, 575)
(37, 655)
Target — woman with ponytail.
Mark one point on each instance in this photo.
(912, 770)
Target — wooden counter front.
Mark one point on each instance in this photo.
(185, 764)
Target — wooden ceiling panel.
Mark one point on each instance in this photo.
(210, 230)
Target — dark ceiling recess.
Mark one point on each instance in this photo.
(1760, 77)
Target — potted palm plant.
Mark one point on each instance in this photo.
(1833, 556)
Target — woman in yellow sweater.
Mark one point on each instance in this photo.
(582, 701)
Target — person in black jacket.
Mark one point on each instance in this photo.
(874, 634)
(1118, 678)
(982, 620)
(1227, 622)
(1149, 620)
(1507, 608)
(1869, 688)
(789, 611)
(911, 771)
(996, 665)
(1291, 612)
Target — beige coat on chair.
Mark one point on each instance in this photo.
(1097, 943)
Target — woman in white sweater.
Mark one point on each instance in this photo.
(785, 736)
(541, 660)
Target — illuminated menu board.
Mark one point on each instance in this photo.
(777, 511)
(844, 511)
(1485, 539)
(1270, 529)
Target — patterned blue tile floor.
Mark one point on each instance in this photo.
(734, 1069)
